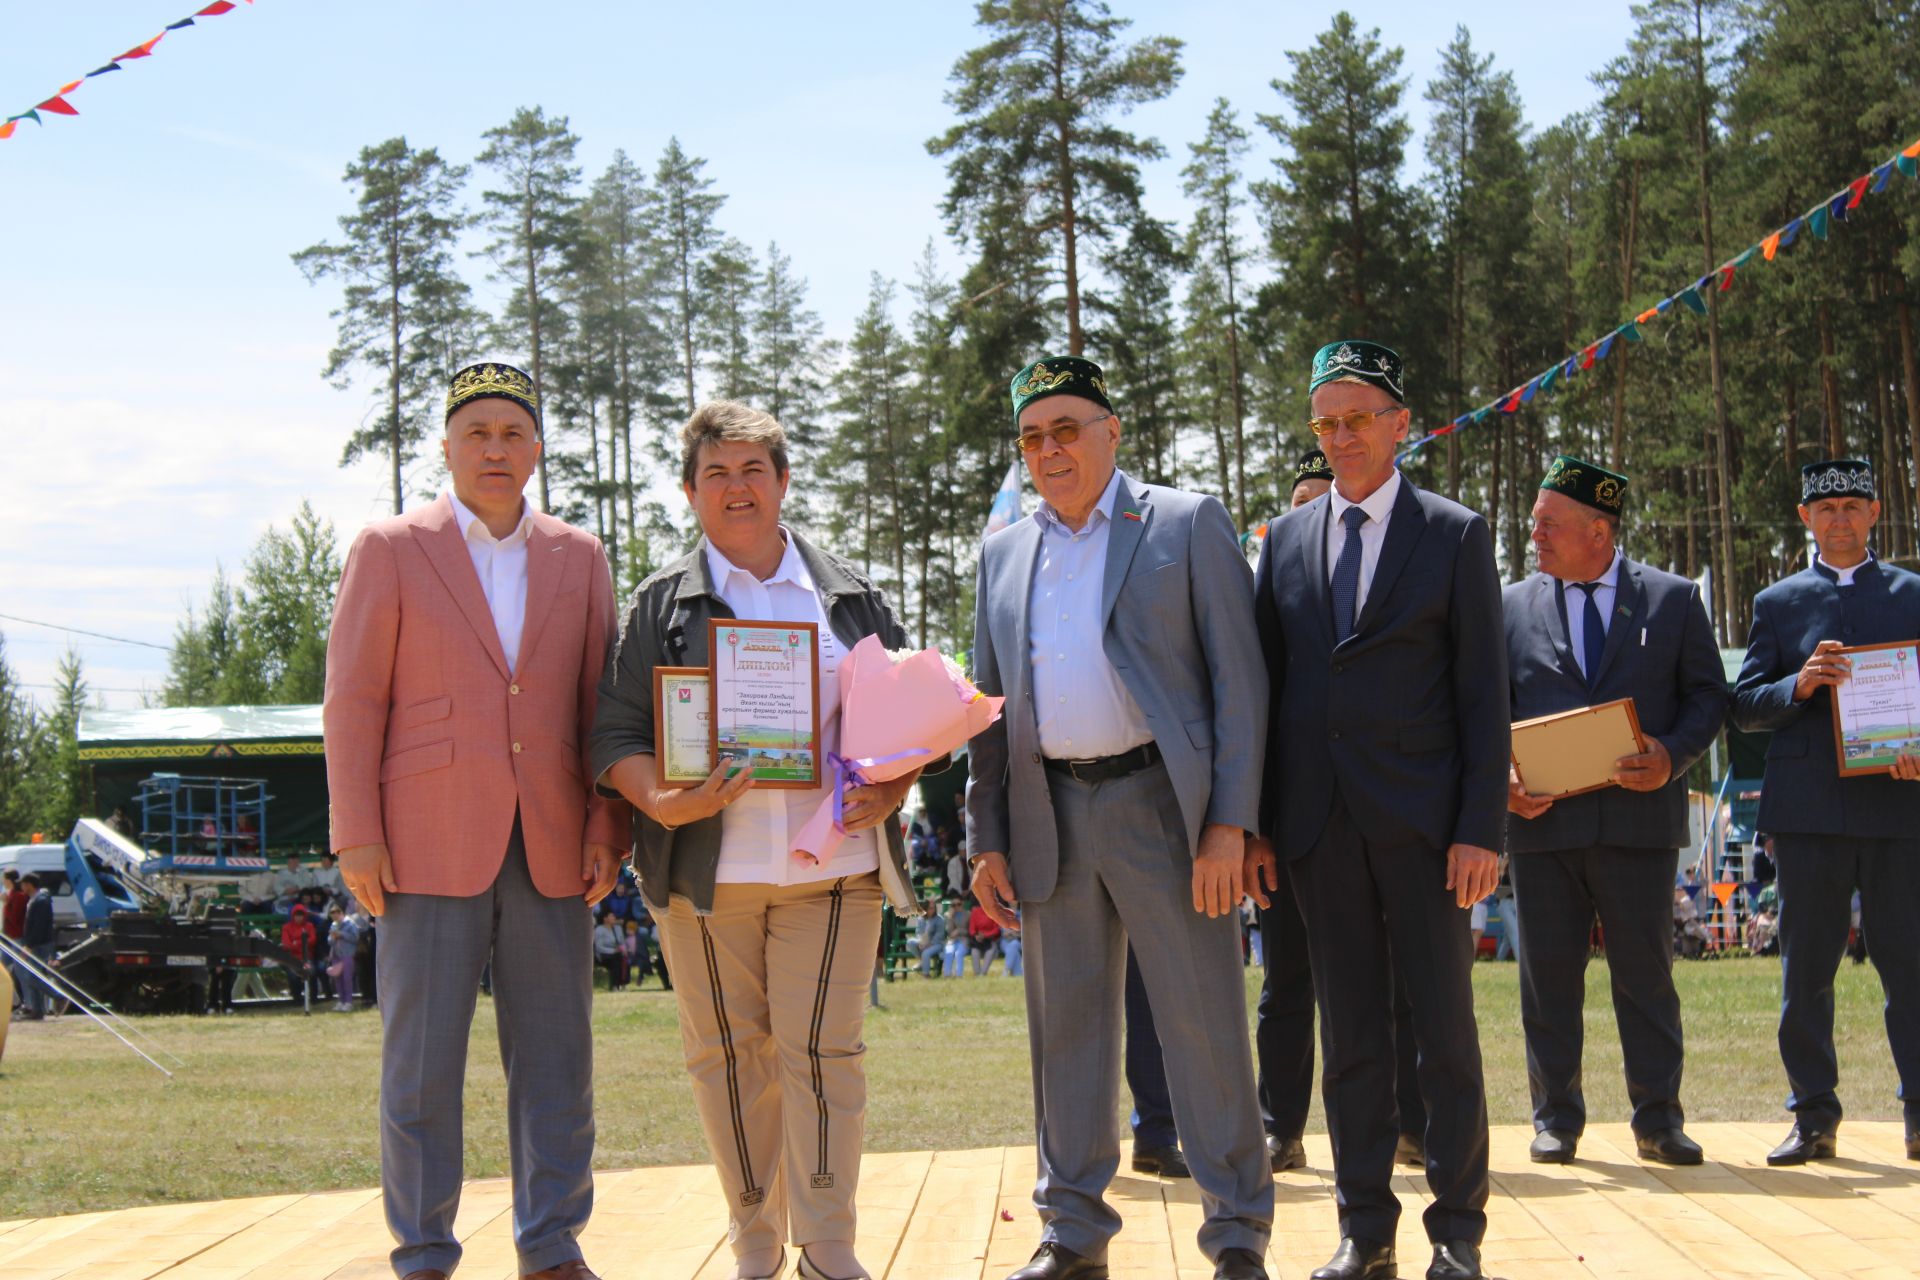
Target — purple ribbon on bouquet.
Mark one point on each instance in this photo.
(847, 772)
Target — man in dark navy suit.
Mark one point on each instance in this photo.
(1593, 626)
(1379, 611)
(1833, 835)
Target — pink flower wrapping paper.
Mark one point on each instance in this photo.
(895, 716)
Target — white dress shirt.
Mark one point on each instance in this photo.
(1844, 575)
(1373, 534)
(1576, 605)
(757, 830)
(1083, 710)
(501, 564)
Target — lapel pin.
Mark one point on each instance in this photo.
(1132, 515)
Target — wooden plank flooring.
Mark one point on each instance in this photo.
(965, 1215)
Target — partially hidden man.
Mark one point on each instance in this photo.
(1834, 835)
(1379, 611)
(1593, 626)
(466, 644)
(1111, 802)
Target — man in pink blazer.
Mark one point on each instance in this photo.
(466, 645)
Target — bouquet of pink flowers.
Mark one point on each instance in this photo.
(899, 711)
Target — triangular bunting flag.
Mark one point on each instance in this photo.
(1838, 207)
(215, 9)
(1586, 357)
(1695, 303)
(184, 22)
(1512, 403)
(1770, 246)
(1908, 165)
(1817, 223)
(1723, 890)
(1790, 233)
(1651, 313)
(1665, 304)
(1726, 277)
(1857, 190)
(29, 115)
(70, 87)
(1881, 176)
(141, 50)
(6, 130)
(1568, 367)
(1745, 257)
(100, 71)
(1630, 331)
(1480, 414)
(1548, 378)
(1527, 392)
(1912, 152)
(1602, 347)
(59, 106)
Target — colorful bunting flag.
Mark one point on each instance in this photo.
(57, 104)
(1818, 219)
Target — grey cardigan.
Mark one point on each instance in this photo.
(666, 625)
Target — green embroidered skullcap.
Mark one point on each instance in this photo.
(1358, 358)
(1313, 465)
(1585, 483)
(1836, 478)
(1059, 376)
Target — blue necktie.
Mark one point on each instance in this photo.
(1346, 575)
(1593, 637)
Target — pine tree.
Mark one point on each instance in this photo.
(1037, 104)
(402, 299)
(685, 210)
(1136, 339)
(1213, 181)
(532, 216)
(729, 281)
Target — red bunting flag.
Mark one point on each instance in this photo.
(215, 9)
(142, 50)
(1857, 190)
(1726, 277)
(59, 106)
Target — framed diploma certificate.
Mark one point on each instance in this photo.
(766, 699)
(682, 716)
(1876, 709)
(1573, 752)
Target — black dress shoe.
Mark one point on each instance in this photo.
(1805, 1142)
(1411, 1149)
(1913, 1145)
(1285, 1153)
(1553, 1146)
(1167, 1162)
(1454, 1260)
(1358, 1259)
(1668, 1146)
(1057, 1262)
(1239, 1264)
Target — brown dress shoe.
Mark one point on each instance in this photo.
(428, 1274)
(575, 1270)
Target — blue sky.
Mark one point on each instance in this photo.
(159, 355)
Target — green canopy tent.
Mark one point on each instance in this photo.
(279, 746)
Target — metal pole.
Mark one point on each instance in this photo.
(55, 982)
(76, 994)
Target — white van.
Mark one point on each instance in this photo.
(49, 862)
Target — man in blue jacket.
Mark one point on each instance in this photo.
(1593, 626)
(1834, 834)
(38, 939)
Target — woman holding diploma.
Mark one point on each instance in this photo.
(771, 951)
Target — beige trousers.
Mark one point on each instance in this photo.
(772, 993)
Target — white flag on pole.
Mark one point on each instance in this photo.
(1006, 503)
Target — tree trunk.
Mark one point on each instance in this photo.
(1910, 383)
(1233, 372)
(1791, 431)
(533, 328)
(1723, 447)
(1063, 161)
(1629, 234)
(394, 364)
(1836, 428)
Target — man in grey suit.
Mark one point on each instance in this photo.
(1592, 627)
(1379, 609)
(1112, 801)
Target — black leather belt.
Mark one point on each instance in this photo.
(1107, 768)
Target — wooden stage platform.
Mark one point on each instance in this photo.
(940, 1217)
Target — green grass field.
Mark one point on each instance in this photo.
(271, 1101)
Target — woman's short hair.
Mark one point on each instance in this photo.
(722, 421)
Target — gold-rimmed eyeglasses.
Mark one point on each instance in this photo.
(1062, 433)
(1351, 421)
